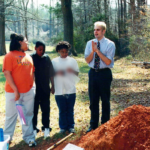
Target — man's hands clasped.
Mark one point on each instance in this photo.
(94, 47)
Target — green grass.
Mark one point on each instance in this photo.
(81, 109)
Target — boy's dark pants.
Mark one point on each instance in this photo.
(99, 87)
(42, 99)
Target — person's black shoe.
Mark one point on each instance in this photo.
(89, 129)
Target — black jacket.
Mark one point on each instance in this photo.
(43, 72)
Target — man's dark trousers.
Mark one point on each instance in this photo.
(99, 87)
(42, 99)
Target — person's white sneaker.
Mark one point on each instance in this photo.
(71, 130)
(62, 131)
(35, 133)
(32, 143)
(46, 133)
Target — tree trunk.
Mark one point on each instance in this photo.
(14, 23)
(89, 10)
(106, 6)
(122, 20)
(53, 29)
(121, 11)
(26, 27)
(25, 8)
(125, 11)
(133, 12)
(99, 6)
(68, 23)
(57, 26)
(38, 32)
(50, 22)
(32, 21)
(125, 18)
(2, 29)
(18, 23)
(119, 25)
(84, 12)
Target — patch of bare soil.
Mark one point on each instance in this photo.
(127, 131)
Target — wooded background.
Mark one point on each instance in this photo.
(128, 23)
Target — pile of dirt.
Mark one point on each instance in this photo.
(130, 130)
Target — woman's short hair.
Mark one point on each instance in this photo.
(14, 44)
(101, 24)
(63, 45)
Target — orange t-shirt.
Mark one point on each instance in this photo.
(21, 66)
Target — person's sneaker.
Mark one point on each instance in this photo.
(32, 144)
(71, 130)
(46, 133)
(35, 133)
(62, 131)
(43, 129)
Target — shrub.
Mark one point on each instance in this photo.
(79, 42)
(56, 39)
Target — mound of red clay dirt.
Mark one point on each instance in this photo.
(130, 130)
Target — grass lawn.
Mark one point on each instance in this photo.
(128, 87)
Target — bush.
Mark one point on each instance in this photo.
(56, 39)
(139, 41)
(140, 47)
(129, 57)
(79, 42)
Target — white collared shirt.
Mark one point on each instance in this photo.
(107, 48)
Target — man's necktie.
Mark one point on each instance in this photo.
(97, 59)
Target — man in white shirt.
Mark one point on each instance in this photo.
(99, 54)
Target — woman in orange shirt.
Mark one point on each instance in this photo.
(18, 69)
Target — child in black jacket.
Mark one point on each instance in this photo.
(44, 73)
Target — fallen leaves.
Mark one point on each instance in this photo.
(131, 86)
